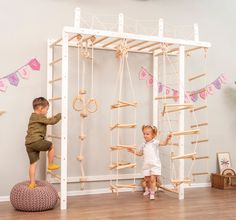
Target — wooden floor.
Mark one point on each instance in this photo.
(200, 204)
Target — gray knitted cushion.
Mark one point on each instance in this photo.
(41, 198)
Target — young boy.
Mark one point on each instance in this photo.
(35, 138)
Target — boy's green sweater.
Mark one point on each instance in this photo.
(37, 127)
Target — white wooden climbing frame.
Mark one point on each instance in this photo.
(108, 40)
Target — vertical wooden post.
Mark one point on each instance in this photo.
(64, 125)
(49, 91)
(121, 23)
(181, 117)
(77, 18)
(161, 28)
(196, 32)
(155, 112)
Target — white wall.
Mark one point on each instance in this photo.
(26, 25)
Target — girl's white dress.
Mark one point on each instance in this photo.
(152, 162)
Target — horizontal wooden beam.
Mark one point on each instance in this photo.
(201, 157)
(184, 156)
(147, 46)
(111, 42)
(200, 173)
(123, 147)
(54, 136)
(54, 80)
(54, 98)
(99, 40)
(196, 76)
(199, 125)
(198, 108)
(169, 189)
(199, 141)
(123, 126)
(55, 61)
(187, 132)
(178, 181)
(167, 97)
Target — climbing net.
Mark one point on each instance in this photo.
(169, 110)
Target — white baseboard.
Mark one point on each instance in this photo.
(107, 190)
(4, 198)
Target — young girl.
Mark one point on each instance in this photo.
(152, 163)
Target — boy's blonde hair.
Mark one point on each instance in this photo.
(40, 101)
(152, 127)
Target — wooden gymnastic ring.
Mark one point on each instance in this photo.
(77, 98)
(91, 102)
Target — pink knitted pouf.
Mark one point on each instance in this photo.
(41, 198)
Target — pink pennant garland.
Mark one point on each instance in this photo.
(150, 81)
(210, 89)
(13, 79)
(3, 85)
(160, 87)
(203, 94)
(143, 74)
(24, 72)
(223, 78)
(34, 64)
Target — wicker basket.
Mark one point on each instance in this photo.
(223, 181)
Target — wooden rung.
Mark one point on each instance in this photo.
(126, 186)
(54, 136)
(201, 157)
(54, 174)
(178, 182)
(167, 97)
(54, 80)
(197, 76)
(192, 49)
(169, 190)
(185, 156)
(198, 108)
(78, 36)
(55, 42)
(168, 51)
(155, 48)
(123, 104)
(130, 41)
(123, 126)
(200, 173)
(199, 125)
(57, 157)
(175, 110)
(123, 147)
(55, 61)
(137, 44)
(99, 40)
(199, 141)
(147, 46)
(119, 167)
(91, 37)
(54, 98)
(178, 105)
(188, 132)
(111, 42)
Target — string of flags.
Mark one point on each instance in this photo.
(24, 71)
(193, 95)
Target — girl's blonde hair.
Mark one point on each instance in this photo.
(152, 127)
